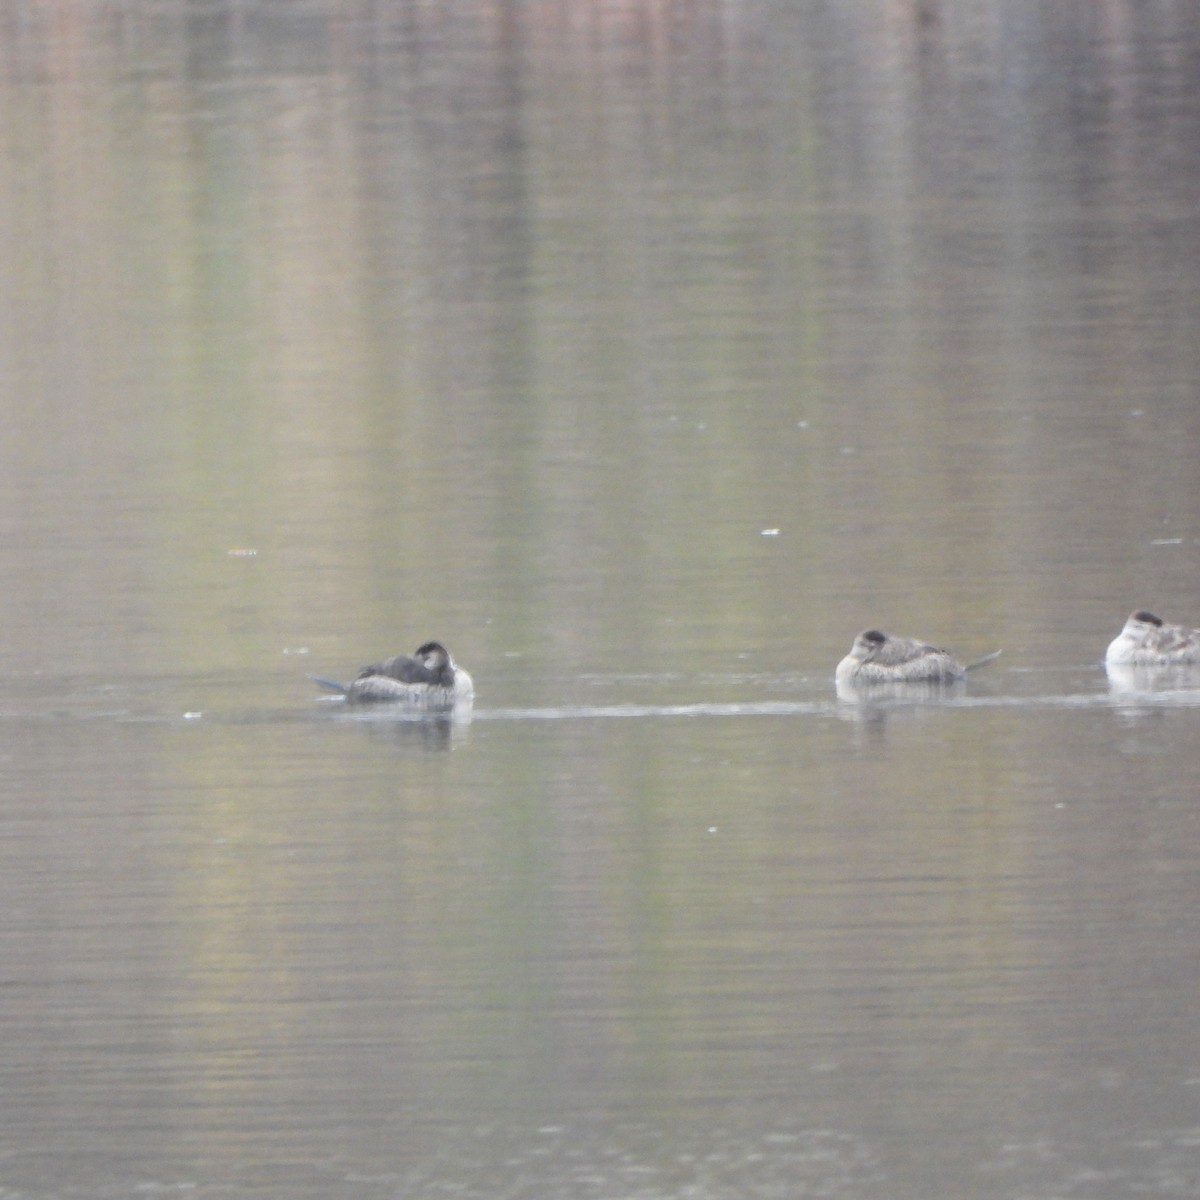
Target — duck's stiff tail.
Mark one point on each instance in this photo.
(979, 662)
(330, 685)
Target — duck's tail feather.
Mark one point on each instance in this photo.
(330, 685)
(987, 658)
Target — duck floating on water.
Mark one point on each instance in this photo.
(1148, 641)
(878, 657)
(427, 679)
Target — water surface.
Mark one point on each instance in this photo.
(644, 355)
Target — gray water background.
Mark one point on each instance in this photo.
(643, 353)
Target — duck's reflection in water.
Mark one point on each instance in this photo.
(873, 705)
(431, 731)
(1134, 688)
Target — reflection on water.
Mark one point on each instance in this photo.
(1154, 685)
(643, 354)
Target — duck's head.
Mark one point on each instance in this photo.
(867, 643)
(436, 658)
(1141, 624)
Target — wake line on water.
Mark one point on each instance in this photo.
(769, 708)
(835, 707)
(852, 708)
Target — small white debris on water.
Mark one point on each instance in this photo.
(192, 716)
(242, 552)
(295, 649)
(770, 533)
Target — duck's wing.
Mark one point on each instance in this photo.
(1175, 639)
(896, 652)
(401, 667)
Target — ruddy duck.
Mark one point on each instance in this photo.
(879, 658)
(1146, 641)
(428, 679)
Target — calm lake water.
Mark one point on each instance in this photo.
(643, 353)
